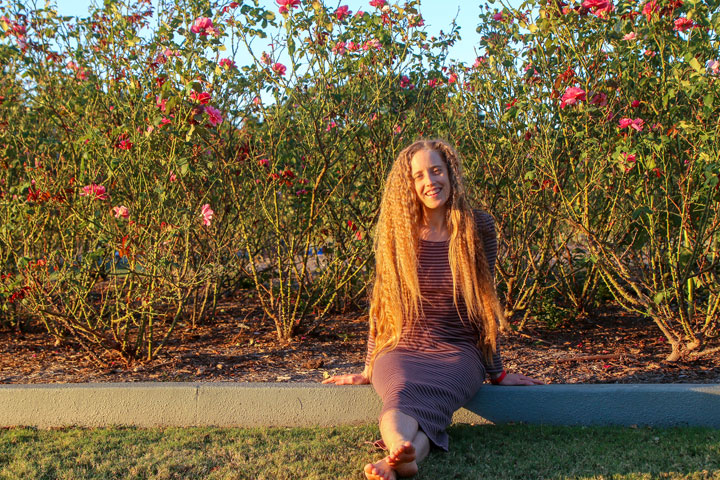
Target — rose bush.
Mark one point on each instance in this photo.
(145, 172)
(626, 100)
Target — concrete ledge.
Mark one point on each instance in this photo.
(305, 404)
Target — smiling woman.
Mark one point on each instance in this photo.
(433, 307)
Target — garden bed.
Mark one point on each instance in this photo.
(241, 346)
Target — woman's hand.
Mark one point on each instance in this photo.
(519, 379)
(349, 379)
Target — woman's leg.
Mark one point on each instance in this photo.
(407, 444)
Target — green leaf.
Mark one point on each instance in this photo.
(659, 297)
(696, 65)
(708, 100)
(291, 46)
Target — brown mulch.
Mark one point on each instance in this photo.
(239, 346)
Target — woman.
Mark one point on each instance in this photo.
(433, 307)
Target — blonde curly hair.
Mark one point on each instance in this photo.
(395, 299)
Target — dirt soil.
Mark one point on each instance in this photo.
(241, 346)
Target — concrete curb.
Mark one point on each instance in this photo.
(305, 404)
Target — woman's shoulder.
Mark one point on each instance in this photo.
(484, 220)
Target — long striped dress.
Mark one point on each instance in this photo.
(437, 367)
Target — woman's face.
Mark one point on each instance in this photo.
(430, 175)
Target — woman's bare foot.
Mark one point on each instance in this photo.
(380, 471)
(402, 460)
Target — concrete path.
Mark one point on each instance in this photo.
(305, 404)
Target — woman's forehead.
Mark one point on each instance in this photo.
(423, 159)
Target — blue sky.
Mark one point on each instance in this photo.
(438, 15)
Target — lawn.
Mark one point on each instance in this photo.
(492, 452)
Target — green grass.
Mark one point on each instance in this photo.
(487, 452)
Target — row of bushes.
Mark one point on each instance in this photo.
(144, 174)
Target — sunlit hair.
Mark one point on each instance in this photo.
(395, 299)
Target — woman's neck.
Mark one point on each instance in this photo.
(434, 226)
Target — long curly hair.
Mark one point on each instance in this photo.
(395, 299)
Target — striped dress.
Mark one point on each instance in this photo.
(436, 367)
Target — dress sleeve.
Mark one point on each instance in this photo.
(370, 348)
(486, 226)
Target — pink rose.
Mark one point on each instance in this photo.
(683, 24)
(498, 17)
(279, 68)
(600, 8)
(635, 103)
(226, 63)
(287, 5)
(374, 43)
(121, 211)
(377, 3)
(201, 98)
(478, 61)
(207, 214)
(650, 8)
(630, 36)
(571, 96)
(214, 115)
(202, 26)
(124, 144)
(96, 192)
(636, 124)
(339, 48)
(342, 12)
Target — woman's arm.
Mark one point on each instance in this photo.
(355, 378)
(498, 376)
(519, 379)
(486, 228)
(349, 379)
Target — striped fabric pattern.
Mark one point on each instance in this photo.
(437, 366)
